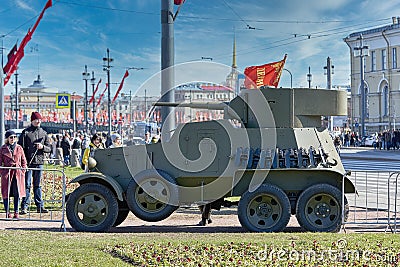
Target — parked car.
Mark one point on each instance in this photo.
(369, 140)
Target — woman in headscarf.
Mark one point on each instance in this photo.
(12, 180)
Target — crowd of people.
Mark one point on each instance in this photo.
(388, 139)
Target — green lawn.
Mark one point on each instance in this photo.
(38, 248)
(41, 248)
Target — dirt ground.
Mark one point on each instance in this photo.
(182, 220)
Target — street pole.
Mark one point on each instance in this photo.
(16, 100)
(291, 77)
(309, 77)
(130, 108)
(73, 112)
(93, 80)
(361, 48)
(167, 63)
(85, 76)
(329, 71)
(107, 67)
(145, 105)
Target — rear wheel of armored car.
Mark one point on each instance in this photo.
(319, 208)
(266, 209)
(152, 195)
(92, 208)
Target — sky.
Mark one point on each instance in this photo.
(76, 33)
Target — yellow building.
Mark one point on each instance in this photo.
(380, 48)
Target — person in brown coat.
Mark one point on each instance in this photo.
(12, 180)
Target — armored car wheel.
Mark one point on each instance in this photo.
(123, 212)
(319, 208)
(92, 208)
(266, 209)
(152, 195)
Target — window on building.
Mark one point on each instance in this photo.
(383, 59)
(385, 100)
(394, 60)
(373, 61)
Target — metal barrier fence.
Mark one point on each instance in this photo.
(53, 183)
(375, 201)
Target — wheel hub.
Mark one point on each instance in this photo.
(151, 197)
(322, 210)
(92, 211)
(264, 210)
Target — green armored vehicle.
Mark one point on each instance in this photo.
(269, 150)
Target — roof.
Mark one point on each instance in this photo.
(375, 30)
(215, 88)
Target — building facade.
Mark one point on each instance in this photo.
(379, 50)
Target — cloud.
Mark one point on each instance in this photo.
(24, 5)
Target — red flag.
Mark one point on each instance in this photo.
(267, 74)
(102, 94)
(178, 2)
(11, 57)
(19, 54)
(48, 4)
(120, 86)
(95, 91)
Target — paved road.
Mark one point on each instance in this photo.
(373, 174)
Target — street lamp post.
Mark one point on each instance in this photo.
(328, 71)
(38, 100)
(73, 112)
(93, 80)
(309, 77)
(85, 77)
(362, 51)
(291, 77)
(16, 98)
(106, 67)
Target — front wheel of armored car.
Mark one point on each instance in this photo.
(123, 212)
(92, 208)
(267, 209)
(319, 208)
(152, 195)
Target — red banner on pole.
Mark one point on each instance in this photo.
(102, 94)
(94, 93)
(12, 66)
(120, 86)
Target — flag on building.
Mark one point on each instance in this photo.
(264, 75)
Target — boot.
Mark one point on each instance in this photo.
(16, 215)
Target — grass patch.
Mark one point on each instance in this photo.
(37, 248)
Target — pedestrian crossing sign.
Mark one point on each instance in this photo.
(63, 100)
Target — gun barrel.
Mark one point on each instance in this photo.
(207, 105)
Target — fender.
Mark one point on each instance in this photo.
(92, 176)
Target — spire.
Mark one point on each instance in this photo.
(234, 52)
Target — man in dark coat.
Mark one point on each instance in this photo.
(35, 142)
